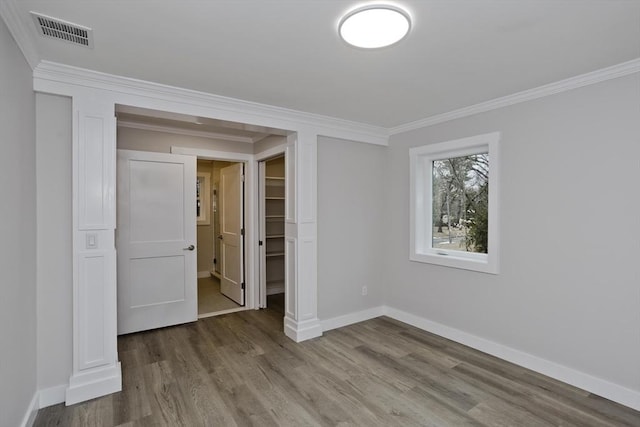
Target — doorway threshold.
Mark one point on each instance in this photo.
(218, 313)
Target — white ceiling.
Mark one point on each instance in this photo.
(287, 52)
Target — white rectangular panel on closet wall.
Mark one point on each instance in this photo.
(96, 330)
(307, 182)
(290, 278)
(290, 183)
(307, 274)
(96, 370)
(95, 169)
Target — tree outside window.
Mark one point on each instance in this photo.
(461, 203)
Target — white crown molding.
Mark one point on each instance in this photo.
(20, 32)
(48, 76)
(189, 132)
(49, 72)
(575, 82)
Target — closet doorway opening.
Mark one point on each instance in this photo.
(168, 218)
(220, 216)
(272, 204)
(187, 217)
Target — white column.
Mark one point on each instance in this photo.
(301, 272)
(96, 370)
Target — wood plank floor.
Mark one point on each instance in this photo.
(210, 298)
(240, 369)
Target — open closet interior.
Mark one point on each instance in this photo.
(273, 224)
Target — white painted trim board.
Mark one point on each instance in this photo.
(275, 290)
(302, 331)
(201, 153)
(32, 411)
(52, 395)
(97, 384)
(203, 274)
(351, 318)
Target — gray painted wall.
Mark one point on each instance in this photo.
(569, 287)
(352, 224)
(17, 233)
(55, 276)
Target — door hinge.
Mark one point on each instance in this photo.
(242, 231)
(242, 178)
(259, 242)
(243, 285)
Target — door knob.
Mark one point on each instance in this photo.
(220, 236)
(190, 248)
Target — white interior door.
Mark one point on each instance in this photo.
(155, 240)
(231, 245)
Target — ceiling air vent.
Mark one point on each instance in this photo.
(63, 30)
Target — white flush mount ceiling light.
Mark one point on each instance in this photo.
(374, 26)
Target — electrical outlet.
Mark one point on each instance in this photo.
(364, 290)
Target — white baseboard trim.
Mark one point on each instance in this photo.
(302, 331)
(99, 382)
(51, 396)
(32, 411)
(598, 386)
(351, 318)
(221, 312)
(203, 274)
(275, 290)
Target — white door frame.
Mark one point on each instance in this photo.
(250, 207)
(95, 367)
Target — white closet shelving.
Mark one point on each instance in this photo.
(274, 199)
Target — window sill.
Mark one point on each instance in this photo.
(480, 262)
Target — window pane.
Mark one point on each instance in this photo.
(460, 203)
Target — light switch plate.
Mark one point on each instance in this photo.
(92, 241)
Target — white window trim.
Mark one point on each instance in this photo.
(420, 212)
